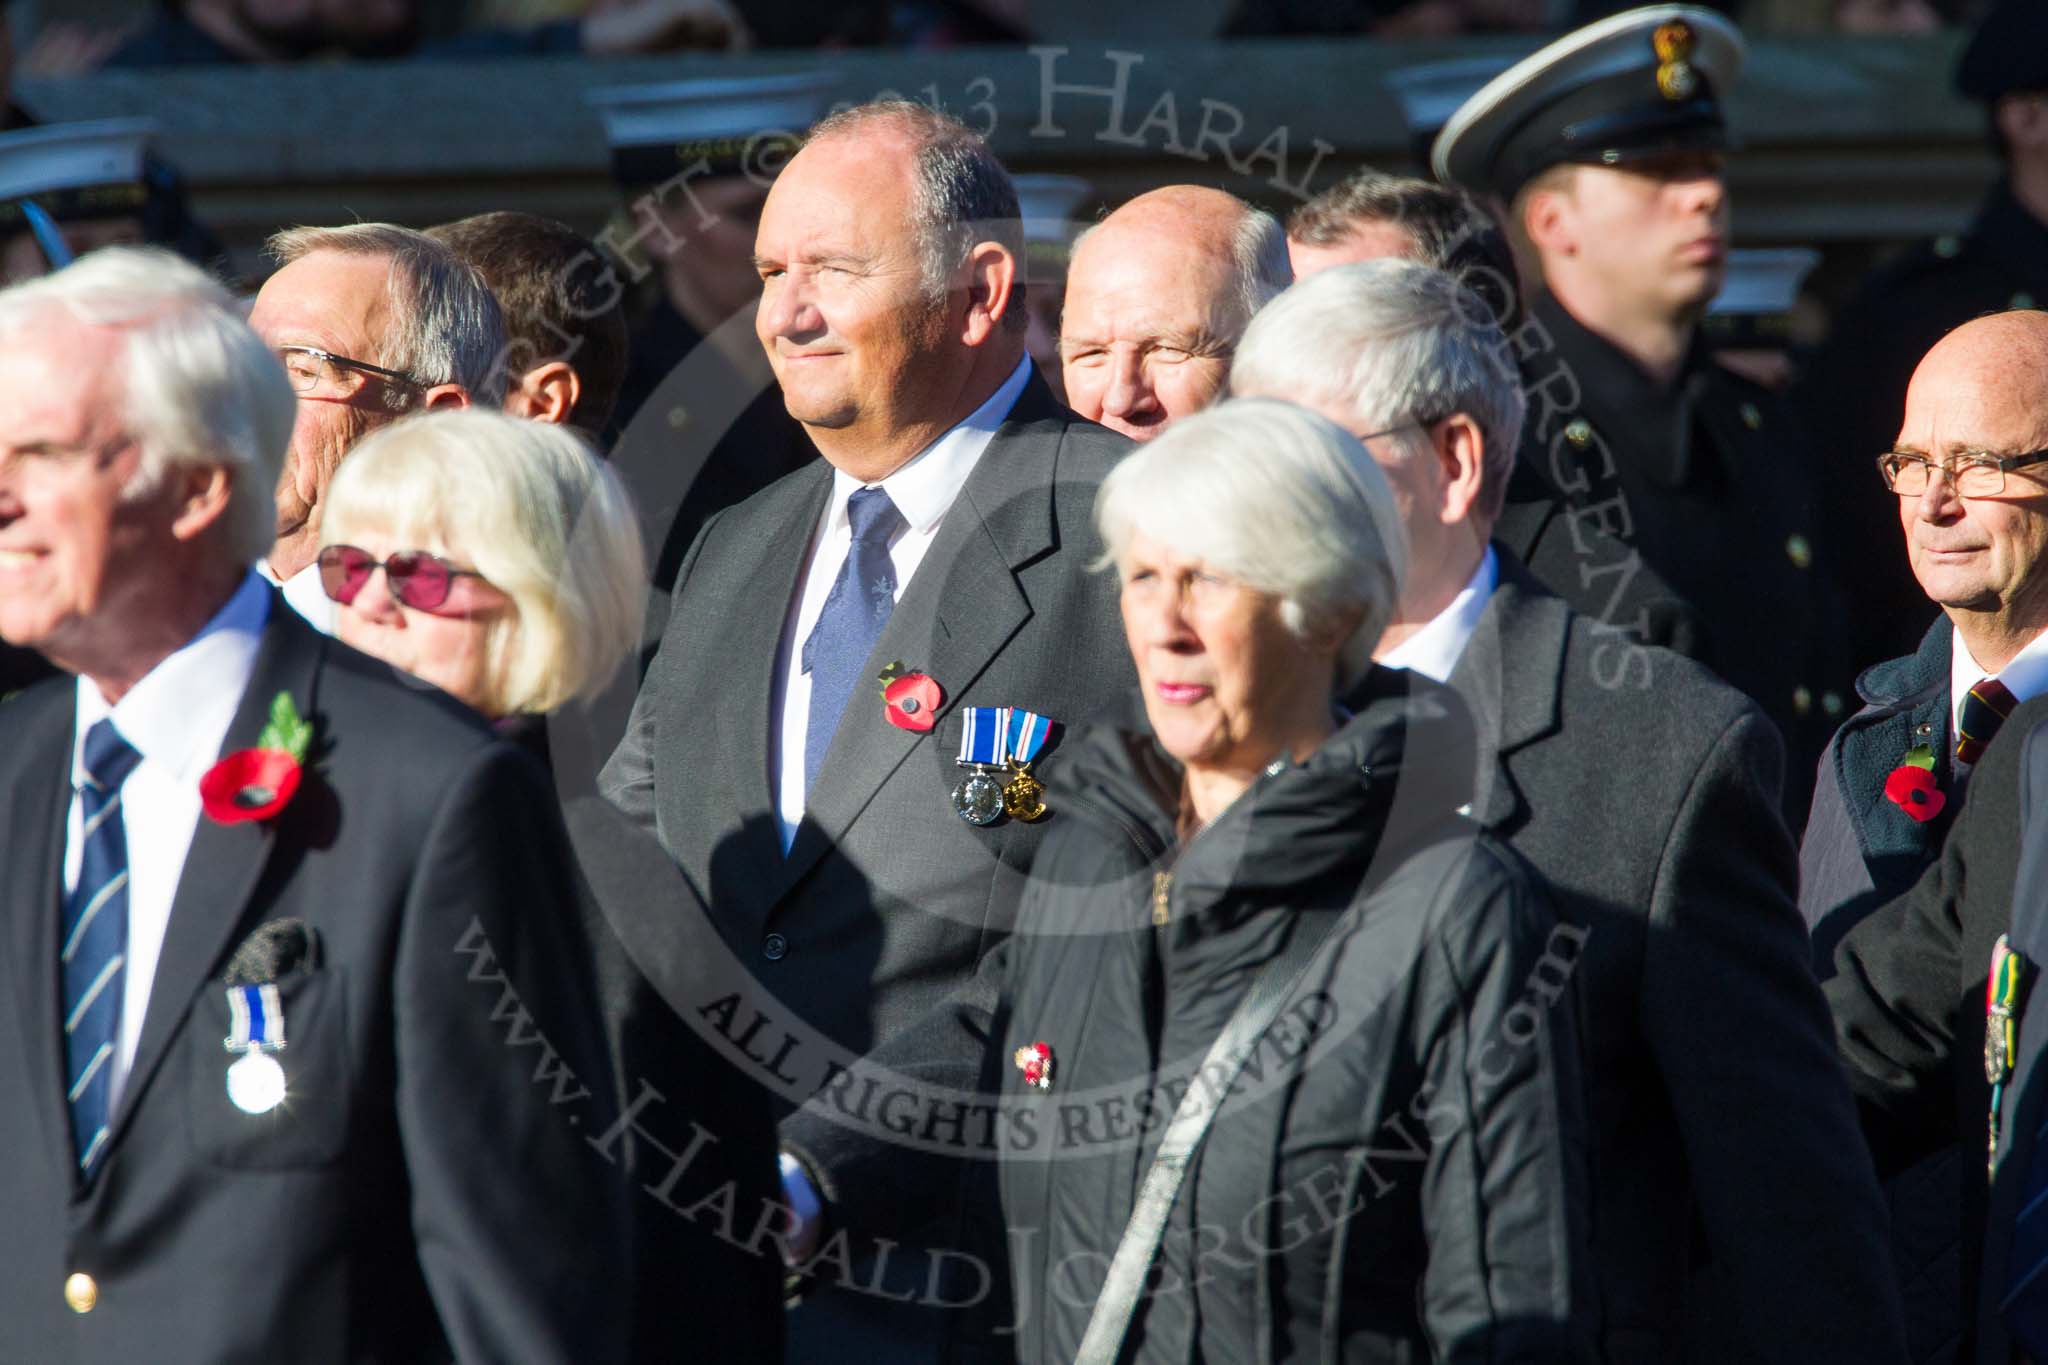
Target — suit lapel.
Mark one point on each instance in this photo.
(959, 610)
(35, 793)
(1511, 675)
(225, 862)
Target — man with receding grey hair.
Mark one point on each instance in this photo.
(1157, 295)
(258, 1106)
(372, 321)
(946, 534)
(1646, 792)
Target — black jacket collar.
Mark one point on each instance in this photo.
(1359, 801)
(1647, 425)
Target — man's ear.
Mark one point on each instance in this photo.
(1461, 451)
(547, 393)
(444, 396)
(991, 290)
(1546, 220)
(203, 492)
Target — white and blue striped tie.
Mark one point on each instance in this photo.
(96, 942)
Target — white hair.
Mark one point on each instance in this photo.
(1259, 264)
(446, 327)
(200, 387)
(1278, 498)
(1391, 341)
(532, 509)
(1258, 251)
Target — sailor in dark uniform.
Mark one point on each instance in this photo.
(1606, 150)
(1855, 389)
(701, 423)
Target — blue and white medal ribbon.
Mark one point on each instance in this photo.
(1024, 736)
(983, 741)
(979, 798)
(256, 1023)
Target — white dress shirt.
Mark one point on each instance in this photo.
(2026, 677)
(304, 594)
(176, 718)
(1434, 650)
(922, 490)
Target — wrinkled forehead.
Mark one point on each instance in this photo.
(1135, 287)
(844, 195)
(60, 379)
(334, 300)
(1971, 400)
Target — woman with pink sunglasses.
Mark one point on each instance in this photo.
(496, 558)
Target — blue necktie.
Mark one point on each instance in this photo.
(852, 619)
(96, 942)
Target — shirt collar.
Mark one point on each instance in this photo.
(1433, 651)
(169, 716)
(925, 488)
(2026, 676)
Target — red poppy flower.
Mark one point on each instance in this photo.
(249, 784)
(1913, 790)
(912, 702)
(1035, 1061)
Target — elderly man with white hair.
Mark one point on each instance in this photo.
(372, 321)
(268, 910)
(1646, 792)
(1157, 295)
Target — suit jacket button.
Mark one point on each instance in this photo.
(1802, 700)
(775, 947)
(81, 1293)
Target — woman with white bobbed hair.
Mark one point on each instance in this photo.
(1261, 937)
(494, 557)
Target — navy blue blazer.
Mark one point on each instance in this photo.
(1860, 849)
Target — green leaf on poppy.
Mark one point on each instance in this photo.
(1919, 756)
(890, 673)
(288, 731)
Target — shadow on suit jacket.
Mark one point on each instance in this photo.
(426, 1193)
(886, 900)
(1713, 1095)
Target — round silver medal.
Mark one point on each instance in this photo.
(256, 1083)
(978, 799)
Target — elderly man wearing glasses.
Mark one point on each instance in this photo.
(371, 322)
(1972, 486)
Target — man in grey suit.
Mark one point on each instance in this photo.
(1646, 793)
(947, 533)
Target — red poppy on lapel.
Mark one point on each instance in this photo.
(1035, 1061)
(255, 784)
(911, 701)
(1912, 788)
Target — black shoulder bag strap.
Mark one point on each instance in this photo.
(1226, 1058)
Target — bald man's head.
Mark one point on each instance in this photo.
(1980, 550)
(1157, 295)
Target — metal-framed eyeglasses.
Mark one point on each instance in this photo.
(311, 369)
(1973, 473)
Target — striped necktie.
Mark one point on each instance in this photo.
(96, 941)
(1978, 719)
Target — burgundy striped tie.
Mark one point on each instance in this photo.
(1983, 711)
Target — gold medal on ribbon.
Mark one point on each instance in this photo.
(1024, 796)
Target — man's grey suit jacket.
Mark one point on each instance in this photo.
(1713, 1093)
(887, 900)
